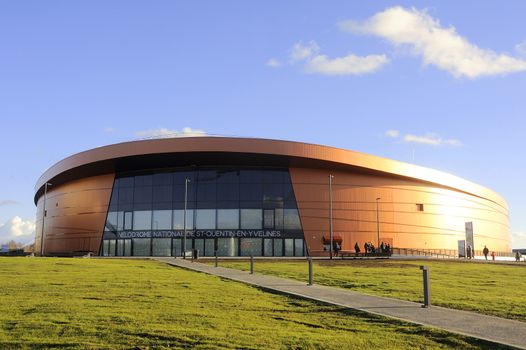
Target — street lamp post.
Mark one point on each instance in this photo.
(330, 214)
(186, 181)
(377, 223)
(43, 220)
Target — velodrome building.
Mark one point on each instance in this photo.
(245, 196)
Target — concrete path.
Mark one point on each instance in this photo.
(494, 329)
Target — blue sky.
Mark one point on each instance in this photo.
(444, 81)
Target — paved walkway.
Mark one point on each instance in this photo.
(495, 329)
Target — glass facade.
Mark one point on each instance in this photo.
(231, 211)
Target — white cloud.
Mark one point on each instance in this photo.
(518, 239)
(18, 230)
(274, 63)
(109, 130)
(437, 45)
(300, 52)
(346, 65)
(167, 133)
(427, 139)
(431, 139)
(7, 202)
(392, 133)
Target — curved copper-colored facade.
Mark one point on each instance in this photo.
(77, 202)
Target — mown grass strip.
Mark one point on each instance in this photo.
(122, 304)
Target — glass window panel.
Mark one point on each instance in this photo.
(207, 176)
(290, 205)
(142, 220)
(250, 246)
(250, 176)
(163, 179)
(162, 219)
(105, 247)
(278, 219)
(178, 194)
(161, 246)
(209, 247)
(227, 176)
(120, 247)
(180, 205)
(228, 219)
(267, 247)
(273, 176)
(199, 245)
(125, 195)
(120, 220)
(227, 204)
(142, 194)
(143, 180)
(251, 192)
(178, 216)
(111, 222)
(141, 246)
(298, 247)
(162, 194)
(273, 204)
(127, 247)
(177, 247)
(291, 219)
(288, 193)
(251, 219)
(205, 205)
(250, 205)
(114, 194)
(205, 219)
(289, 247)
(278, 247)
(228, 192)
(112, 247)
(128, 220)
(206, 192)
(273, 192)
(268, 218)
(126, 182)
(227, 246)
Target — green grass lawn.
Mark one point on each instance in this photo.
(103, 303)
(491, 289)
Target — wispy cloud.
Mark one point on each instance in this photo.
(108, 130)
(392, 133)
(274, 63)
(7, 202)
(301, 51)
(351, 64)
(18, 230)
(167, 133)
(440, 46)
(432, 139)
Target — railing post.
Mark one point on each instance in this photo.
(251, 264)
(215, 253)
(427, 292)
(309, 259)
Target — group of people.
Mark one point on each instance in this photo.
(369, 248)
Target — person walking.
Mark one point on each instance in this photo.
(493, 256)
(485, 251)
(356, 248)
(517, 256)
